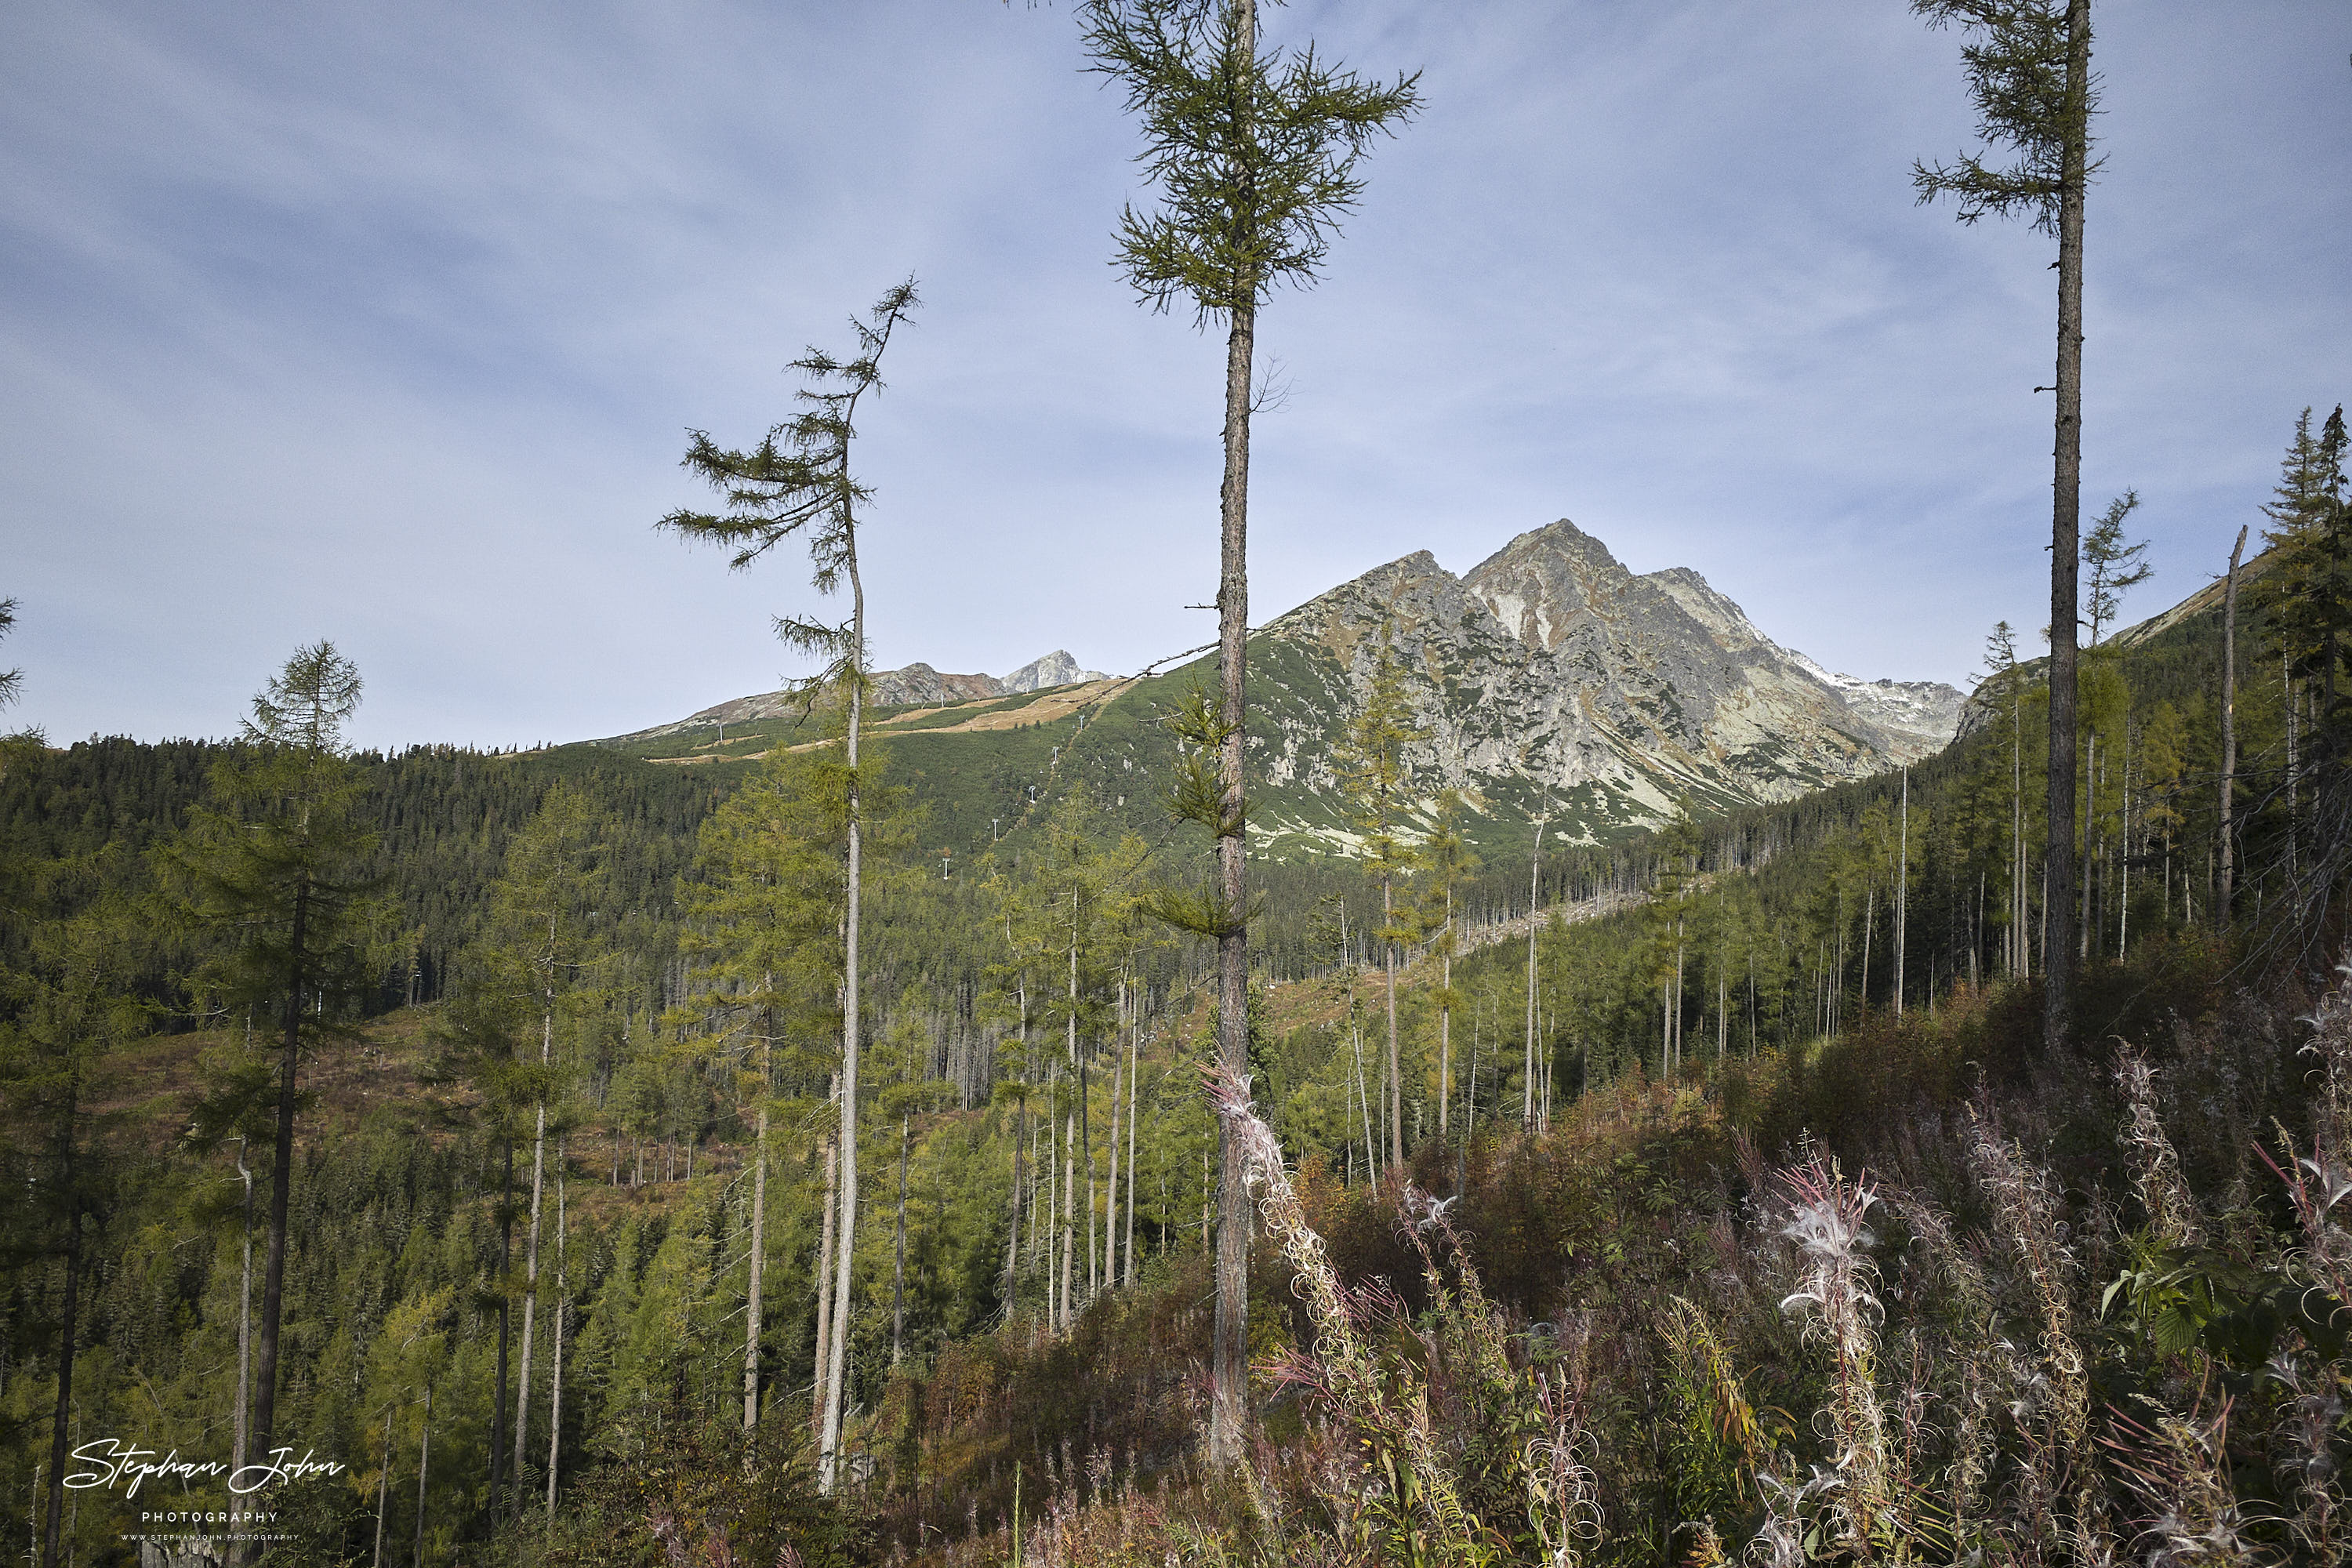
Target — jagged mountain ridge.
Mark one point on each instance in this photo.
(917, 684)
(1551, 680)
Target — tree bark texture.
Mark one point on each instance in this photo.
(1229, 1366)
(2229, 729)
(281, 1189)
(829, 1446)
(2065, 543)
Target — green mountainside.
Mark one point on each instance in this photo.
(1619, 1098)
(1549, 682)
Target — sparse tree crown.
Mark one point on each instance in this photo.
(797, 482)
(2016, 59)
(1254, 151)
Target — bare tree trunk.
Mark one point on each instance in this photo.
(1012, 1224)
(1445, 1018)
(506, 1307)
(824, 1281)
(1869, 933)
(1903, 892)
(899, 1269)
(2228, 726)
(383, 1489)
(2123, 895)
(424, 1468)
(1069, 1208)
(1229, 1365)
(752, 1315)
(1110, 1183)
(2065, 543)
(1535, 872)
(562, 1302)
(836, 1365)
(1085, 1140)
(2020, 957)
(2089, 821)
(531, 1257)
(1396, 1096)
(281, 1188)
(244, 1322)
(1134, 1065)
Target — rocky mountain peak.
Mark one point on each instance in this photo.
(1057, 668)
(1699, 600)
(1546, 583)
(1550, 672)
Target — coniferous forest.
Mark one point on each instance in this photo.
(562, 1157)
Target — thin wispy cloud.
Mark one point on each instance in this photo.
(388, 327)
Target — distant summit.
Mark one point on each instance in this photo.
(1057, 668)
(1547, 683)
(915, 685)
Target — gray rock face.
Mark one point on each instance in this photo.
(1551, 678)
(1057, 668)
(922, 684)
(917, 684)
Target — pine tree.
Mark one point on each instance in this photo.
(798, 481)
(2115, 566)
(2225, 819)
(22, 743)
(1256, 154)
(2309, 596)
(76, 1001)
(274, 865)
(2309, 592)
(2029, 70)
(11, 680)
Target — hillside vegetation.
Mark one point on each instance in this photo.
(1743, 1222)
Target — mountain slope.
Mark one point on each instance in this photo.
(1549, 682)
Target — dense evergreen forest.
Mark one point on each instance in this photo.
(568, 1068)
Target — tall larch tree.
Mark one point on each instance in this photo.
(2029, 72)
(2117, 564)
(1254, 153)
(798, 483)
(2308, 594)
(274, 866)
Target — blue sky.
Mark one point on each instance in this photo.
(386, 324)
